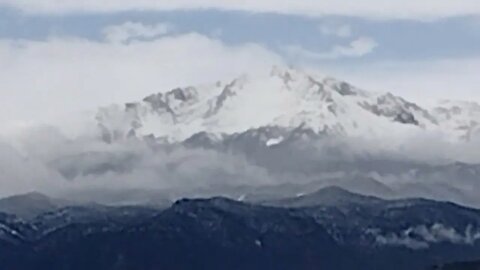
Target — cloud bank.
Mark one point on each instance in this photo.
(394, 9)
(43, 159)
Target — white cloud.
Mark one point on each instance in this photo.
(421, 237)
(132, 30)
(425, 9)
(42, 80)
(357, 48)
(342, 31)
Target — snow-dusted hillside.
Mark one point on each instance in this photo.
(287, 98)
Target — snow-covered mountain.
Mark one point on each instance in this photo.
(287, 99)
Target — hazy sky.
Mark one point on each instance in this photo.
(61, 57)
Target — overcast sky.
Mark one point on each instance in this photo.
(61, 57)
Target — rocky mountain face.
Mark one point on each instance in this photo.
(327, 229)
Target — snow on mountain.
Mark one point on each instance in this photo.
(287, 98)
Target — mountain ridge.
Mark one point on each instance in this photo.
(409, 234)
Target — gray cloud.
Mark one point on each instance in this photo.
(46, 161)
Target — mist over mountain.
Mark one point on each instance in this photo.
(288, 131)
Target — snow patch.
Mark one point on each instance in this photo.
(274, 141)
